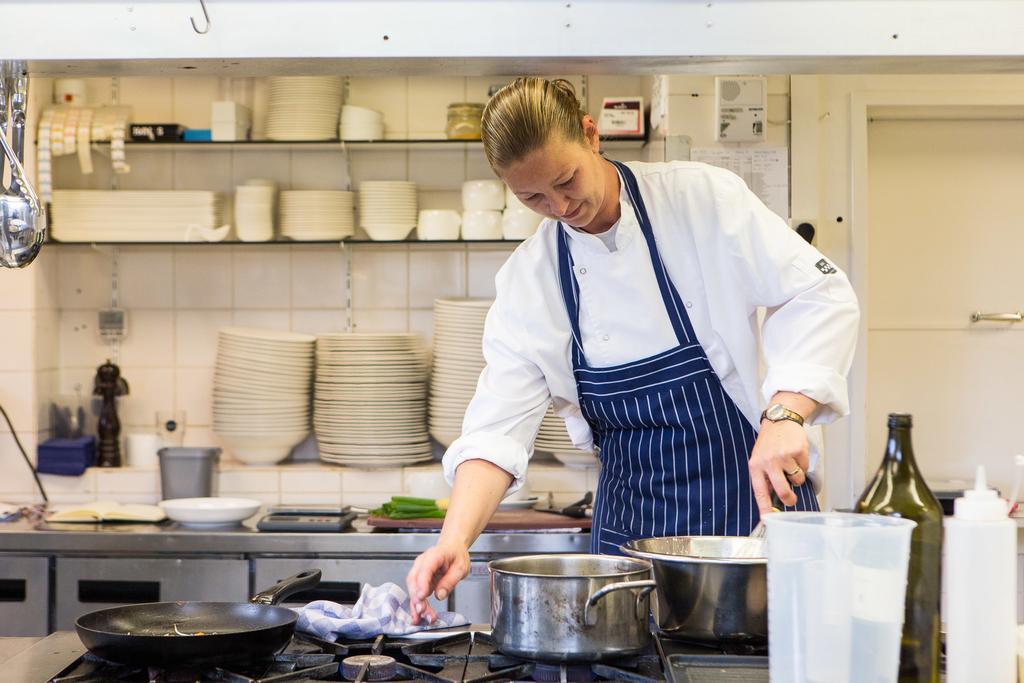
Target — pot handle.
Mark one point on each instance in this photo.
(644, 586)
(285, 587)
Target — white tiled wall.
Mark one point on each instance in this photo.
(306, 483)
(178, 297)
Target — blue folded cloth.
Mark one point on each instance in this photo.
(380, 610)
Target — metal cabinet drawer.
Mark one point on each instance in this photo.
(85, 584)
(24, 596)
(342, 579)
(473, 594)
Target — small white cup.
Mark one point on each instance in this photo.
(483, 195)
(481, 225)
(438, 224)
(142, 448)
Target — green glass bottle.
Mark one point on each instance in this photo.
(899, 490)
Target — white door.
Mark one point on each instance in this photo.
(946, 239)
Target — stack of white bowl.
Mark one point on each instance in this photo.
(360, 123)
(303, 108)
(254, 210)
(554, 439)
(387, 208)
(482, 202)
(369, 404)
(261, 389)
(458, 361)
(308, 215)
(518, 222)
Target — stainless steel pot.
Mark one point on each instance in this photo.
(568, 608)
(705, 592)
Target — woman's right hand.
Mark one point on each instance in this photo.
(476, 493)
(435, 572)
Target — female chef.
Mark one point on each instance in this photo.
(634, 309)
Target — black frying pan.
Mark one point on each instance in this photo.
(195, 633)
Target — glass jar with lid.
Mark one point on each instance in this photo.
(464, 120)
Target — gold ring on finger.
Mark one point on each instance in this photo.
(793, 473)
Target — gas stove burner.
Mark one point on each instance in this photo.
(368, 668)
(569, 673)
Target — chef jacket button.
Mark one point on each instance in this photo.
(689, 304)
(583, 271)
(606, 337)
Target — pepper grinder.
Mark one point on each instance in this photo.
(109, 385)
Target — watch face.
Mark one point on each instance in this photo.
(776, 412)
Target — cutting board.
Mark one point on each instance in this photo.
(503, 520)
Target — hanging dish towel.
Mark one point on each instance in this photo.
(380, 610)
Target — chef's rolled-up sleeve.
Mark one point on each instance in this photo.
(502, 420)
(810, 329)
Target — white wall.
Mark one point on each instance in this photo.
(822, 172)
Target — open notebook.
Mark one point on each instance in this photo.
(109, 511)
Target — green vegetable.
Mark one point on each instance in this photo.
(422, 502)
(408, 507)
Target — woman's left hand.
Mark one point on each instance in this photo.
(779, 460)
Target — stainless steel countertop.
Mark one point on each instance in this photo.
(170, 538)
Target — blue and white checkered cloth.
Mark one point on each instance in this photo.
(380, 610)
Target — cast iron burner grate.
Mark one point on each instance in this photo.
(483, 662)
(291, 665)
(460, 658)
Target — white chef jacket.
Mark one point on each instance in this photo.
(727, 255)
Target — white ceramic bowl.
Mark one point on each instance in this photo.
(518, 224)
(483, 195)
(267, 449)
(205, 512)
(481, 225)
(384, 232)
(438, 224)
(351, 112)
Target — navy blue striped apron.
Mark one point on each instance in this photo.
(673, 445)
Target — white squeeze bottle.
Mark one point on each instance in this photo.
(980, 567)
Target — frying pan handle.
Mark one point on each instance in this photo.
(290, 586)
(644, 586)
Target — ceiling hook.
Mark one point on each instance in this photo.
(202, 3)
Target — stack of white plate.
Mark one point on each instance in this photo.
(254, 212)
(554, 439)
(360, 123)
(133, 215)
(458, 361)
(369, 401)
(387, 208)
(303, 108)
(317, 214)
(261, 389)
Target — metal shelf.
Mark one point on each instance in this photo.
(338, 145)
(278, 243)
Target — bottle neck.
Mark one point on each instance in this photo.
(898, 448)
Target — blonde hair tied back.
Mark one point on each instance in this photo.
(524, 114)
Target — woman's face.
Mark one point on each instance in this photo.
(562, 180)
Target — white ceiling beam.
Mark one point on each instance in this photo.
(62, 36)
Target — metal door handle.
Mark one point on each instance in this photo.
(978, 317)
